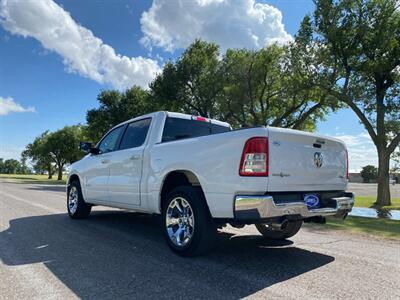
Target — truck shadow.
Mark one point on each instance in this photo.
(48, 188)
(123, 254)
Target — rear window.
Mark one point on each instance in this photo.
(176, 129)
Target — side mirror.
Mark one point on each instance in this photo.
(88, 148)
(85, 146)
(94, 151)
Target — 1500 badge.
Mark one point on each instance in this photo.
(281, 175)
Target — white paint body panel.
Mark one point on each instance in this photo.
(214, 160)
(292, 166)
(125, 175)
(95, 180)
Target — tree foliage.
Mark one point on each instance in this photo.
(12, 166)
(62, 146)
(55, 149)
(37, 153)
(243, 87)
(369, 173)
(116, 107)
(193, 84)
(264, 88)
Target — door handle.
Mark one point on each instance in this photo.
(105, 161)
(135, 157)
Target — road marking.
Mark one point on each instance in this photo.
(30, 202)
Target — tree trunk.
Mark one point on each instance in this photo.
(60, 170)
(381, 144)
(383, 178)
(50, 171)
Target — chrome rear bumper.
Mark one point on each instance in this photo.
(264, 207)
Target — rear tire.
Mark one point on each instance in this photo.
(76, 205)
(279, 234)
(187, 224)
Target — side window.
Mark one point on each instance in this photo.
(135, 134)
(110, 142)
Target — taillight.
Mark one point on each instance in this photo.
(347, 164)
(198, 118)
(254, 160)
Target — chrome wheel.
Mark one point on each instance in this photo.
(179, 220)
(73, 199)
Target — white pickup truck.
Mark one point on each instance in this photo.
(200, 175)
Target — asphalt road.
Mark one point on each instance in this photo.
(113, 253)
(370, 189)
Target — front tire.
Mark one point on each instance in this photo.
(279, 234)
(187, 224)
(76, 205)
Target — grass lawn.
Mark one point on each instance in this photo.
(382, 228)
(39, 179)
(368, 201)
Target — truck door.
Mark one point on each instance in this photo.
(97, 167)
(126, 165)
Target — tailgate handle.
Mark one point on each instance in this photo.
(315, 145)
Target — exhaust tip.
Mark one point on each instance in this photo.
(284, 224)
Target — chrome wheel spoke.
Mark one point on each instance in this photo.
(172, 221)
(177, 235)
(191, 219)
(73, 200)
(179, 221)
(188, 235)
(178, 207)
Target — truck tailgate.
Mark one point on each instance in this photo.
(301, 161)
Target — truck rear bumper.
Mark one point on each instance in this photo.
(263, 207)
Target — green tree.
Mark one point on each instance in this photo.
(262, 88)
(62, 146)
(116, 107)
(253, 86)
(245, 87)
(56, 148)
(37, 152)
(369, 173)
(11, 166)
(193, 84)
(24, 167)
(39, 168)
(358, 63)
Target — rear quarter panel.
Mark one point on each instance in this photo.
(214, 159)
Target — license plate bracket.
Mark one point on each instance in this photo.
(311, 200)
